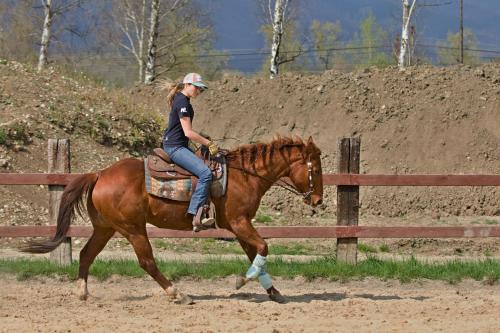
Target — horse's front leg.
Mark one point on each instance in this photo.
(256, 249)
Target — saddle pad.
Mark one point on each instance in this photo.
(179, 189)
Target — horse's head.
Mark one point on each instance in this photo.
(306, 173)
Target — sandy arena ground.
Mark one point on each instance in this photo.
(138, 305)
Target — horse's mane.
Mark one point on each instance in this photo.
(248, 154)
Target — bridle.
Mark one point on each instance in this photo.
(284, 184)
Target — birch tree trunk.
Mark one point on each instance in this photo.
(277, 33)
(141, 41)
(403, 60)
(153, 38)
(47, 23)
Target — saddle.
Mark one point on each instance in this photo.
(168, 180)
(161, 166)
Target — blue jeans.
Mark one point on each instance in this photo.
(186, 159)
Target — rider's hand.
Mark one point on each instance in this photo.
(212, 148)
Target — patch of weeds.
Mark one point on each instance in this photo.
(103, 123)
(3, 136)
(161, 244)
(487, 254)
(19, 132)
(291, 249)
(15, 133)
(263, 218)
(384, 248)
(58, 118)
(365, 248)
(485, 221)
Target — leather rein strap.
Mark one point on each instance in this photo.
(283, 184)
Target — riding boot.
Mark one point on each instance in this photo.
(203, 219)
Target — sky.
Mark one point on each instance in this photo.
(236, 22)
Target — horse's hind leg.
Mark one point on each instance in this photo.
(94, 246)
(144, 252)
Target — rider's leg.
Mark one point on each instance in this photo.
(186, 159)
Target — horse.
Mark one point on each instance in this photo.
(117, 201)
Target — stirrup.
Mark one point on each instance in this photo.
(208, 219)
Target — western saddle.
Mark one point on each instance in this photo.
(162, 167)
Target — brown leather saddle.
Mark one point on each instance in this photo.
(161, 166)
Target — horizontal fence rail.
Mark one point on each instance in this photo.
(279, 232)
(347, 231)
(328, 179)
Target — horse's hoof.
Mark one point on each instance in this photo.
(240, 282)
(277, 298)
(184, 300)
(81, 290)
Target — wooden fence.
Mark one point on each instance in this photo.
(348, 180)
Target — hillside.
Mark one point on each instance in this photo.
(422, 120)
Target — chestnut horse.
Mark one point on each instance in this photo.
(117, 202)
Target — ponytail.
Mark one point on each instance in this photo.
(175, 88)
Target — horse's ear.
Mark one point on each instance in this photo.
(311, 147)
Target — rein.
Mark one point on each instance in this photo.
(283, 184)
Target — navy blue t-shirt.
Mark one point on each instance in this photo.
(174, 134)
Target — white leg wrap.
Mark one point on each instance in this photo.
(265, 280)
(258, 266)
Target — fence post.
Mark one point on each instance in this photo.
(348, 198)
(59, 162)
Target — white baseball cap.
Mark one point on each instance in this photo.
(195, 79)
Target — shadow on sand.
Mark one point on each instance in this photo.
(304, 298)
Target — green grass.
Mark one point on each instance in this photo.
(218, 247)
(3, 136)
(263, 218)
(365, 248)
(204, 246)
(485, 221)
(384, 248)
(405, 271)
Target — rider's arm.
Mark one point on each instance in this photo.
(192, 135)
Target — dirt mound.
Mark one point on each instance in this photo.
(422, 120)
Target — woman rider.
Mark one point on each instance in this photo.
(176, 138)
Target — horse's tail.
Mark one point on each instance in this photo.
(71, 202)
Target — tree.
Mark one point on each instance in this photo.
(185, 47)
(279, 29)
(155, 34)
(18, 30)
(449, 51)
(404, 53)
(130, 18)
(324, 37)
(150, 74)
(52, 8)
(366, 44)
(279, 9)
